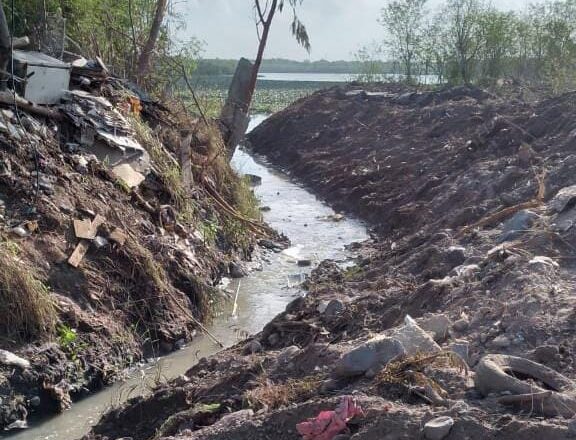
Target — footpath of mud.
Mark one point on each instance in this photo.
(474, 202)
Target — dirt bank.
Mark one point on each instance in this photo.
(157, 250)
(472, 199)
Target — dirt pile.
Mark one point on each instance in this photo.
(473, 203)
(109, 257)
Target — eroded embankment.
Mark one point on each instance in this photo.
(473, 200)
(149, 252)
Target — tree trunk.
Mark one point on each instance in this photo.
(261, 47)
(4, 48)
(146, 54)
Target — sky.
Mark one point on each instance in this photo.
(337, 28)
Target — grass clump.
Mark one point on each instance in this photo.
(25, 305)
(274, 396)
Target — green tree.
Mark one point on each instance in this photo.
(464, 35)
(403, 21)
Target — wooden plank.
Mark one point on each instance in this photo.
(88, 229)
(79, 253)
(83, 229)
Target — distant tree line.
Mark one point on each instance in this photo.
(279, 65)
(471, 41)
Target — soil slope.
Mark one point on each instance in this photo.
(145, 282)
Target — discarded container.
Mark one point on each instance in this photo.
(46, 78)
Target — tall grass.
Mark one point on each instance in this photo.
(25, 305)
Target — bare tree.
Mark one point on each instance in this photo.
(4, 48)
(148, 49)
(265, 13)
(234, 116)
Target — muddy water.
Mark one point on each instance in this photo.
(261, 295)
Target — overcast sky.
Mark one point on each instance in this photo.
(337, 28)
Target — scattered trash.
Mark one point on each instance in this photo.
(328, 424)
(18, 424)
(86, 230)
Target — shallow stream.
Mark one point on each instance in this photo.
(261, 295)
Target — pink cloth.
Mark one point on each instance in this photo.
(328, 424)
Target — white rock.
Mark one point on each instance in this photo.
(9, 358)
(438, 428)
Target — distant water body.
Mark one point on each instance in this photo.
(332, 77)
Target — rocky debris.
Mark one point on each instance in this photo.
(439, 175)
(331, 309)
(237, 270)
(288, 354)
(547, 354)
(517, 225)
(438, 325)
(438, 428)
(10, 359)
(414, 339)
(564, 199)
(371, 355)
(252, 347)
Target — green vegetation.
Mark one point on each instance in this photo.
(25, 305)
(470, 41)
(209, 67)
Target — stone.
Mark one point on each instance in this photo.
(9, 358)
(35, 401)
(546, 353)
(462, 349)
(237, 271)
(287, 354)
(437, 325)
(304, 263)
(572, 428)
(461, 325)
(373, 354)
(455, 256)
(563, 199)
(517, 225)
(414, 339)
(501, 342)
(438, 428)
(128, 175)
(274, 339)
(333, 309)
(254, 346)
